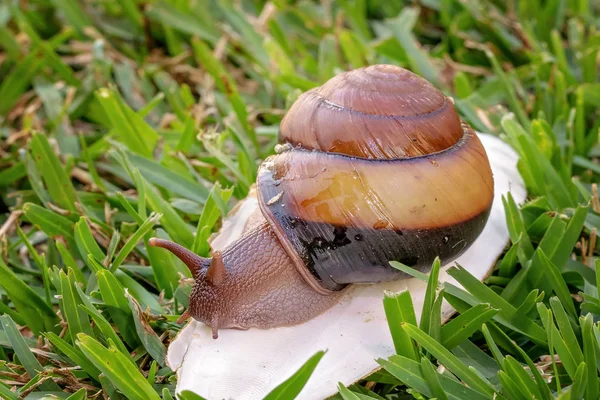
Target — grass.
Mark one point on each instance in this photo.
(122, 120)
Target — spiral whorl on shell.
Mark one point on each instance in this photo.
(380, 168)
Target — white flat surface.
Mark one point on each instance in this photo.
(249, 364)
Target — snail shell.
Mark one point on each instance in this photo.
(375, 165)
(381, 169)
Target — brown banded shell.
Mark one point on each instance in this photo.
(381, 169)
(380, 111)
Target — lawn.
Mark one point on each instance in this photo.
(126, 120)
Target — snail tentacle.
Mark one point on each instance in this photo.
(193, 261)
(216, 273)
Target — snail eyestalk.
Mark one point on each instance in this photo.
(193, 261)
(216, 272)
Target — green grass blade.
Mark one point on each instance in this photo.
(251, 39)
(57, 182)
(53, 224)
(494, 349)
(86, 243)
(76, 319)
(541, 384)
(553, 236)
(327, 58)
(91, 165)
(141, 188)
(570, 237)
(419, 60)
(6, 393)
(346, 393)
(430, 296)
(515, 104)
(35, 178)
(146, 334)
(134, 239)
(166, 178)
(292, 386)
(510, 387)
(516, 226)
(398, 309)
(590, 349)
(435, 320)
(474, 357)
(410, 271)
(133, 131)
(545, 178)
(166, 395)
(78, 395)
(9, 175)
(152, 372)
(54, 106)
(38, 315)
(243, 181)
(74, 354)
(409, 372)
(115, 240)
(579, 386)
(524, 381)
(15, 84)
(449, 360)
(73, 13)
(226, 85)
(139, 292)
(164, 266)
(70, 263)
(431, 376)
(6, 310)
(213, 209)
(529, 302)
(105, 327)
(508, 265)
(117, 367)
(177, 228)
(113, 295)
(181, 21)
(460, 328)
(26, 357)
(505, 309)
(352, 48)
(129, 208)
(558, 283)
(189, 395)
(564, 351)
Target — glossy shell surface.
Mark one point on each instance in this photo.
(380, 111)
(247, 365)
(381, 169)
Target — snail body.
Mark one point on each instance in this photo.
(376, 167)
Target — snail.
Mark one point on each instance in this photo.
(373, 166)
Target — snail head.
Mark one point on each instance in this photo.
(252, 283)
